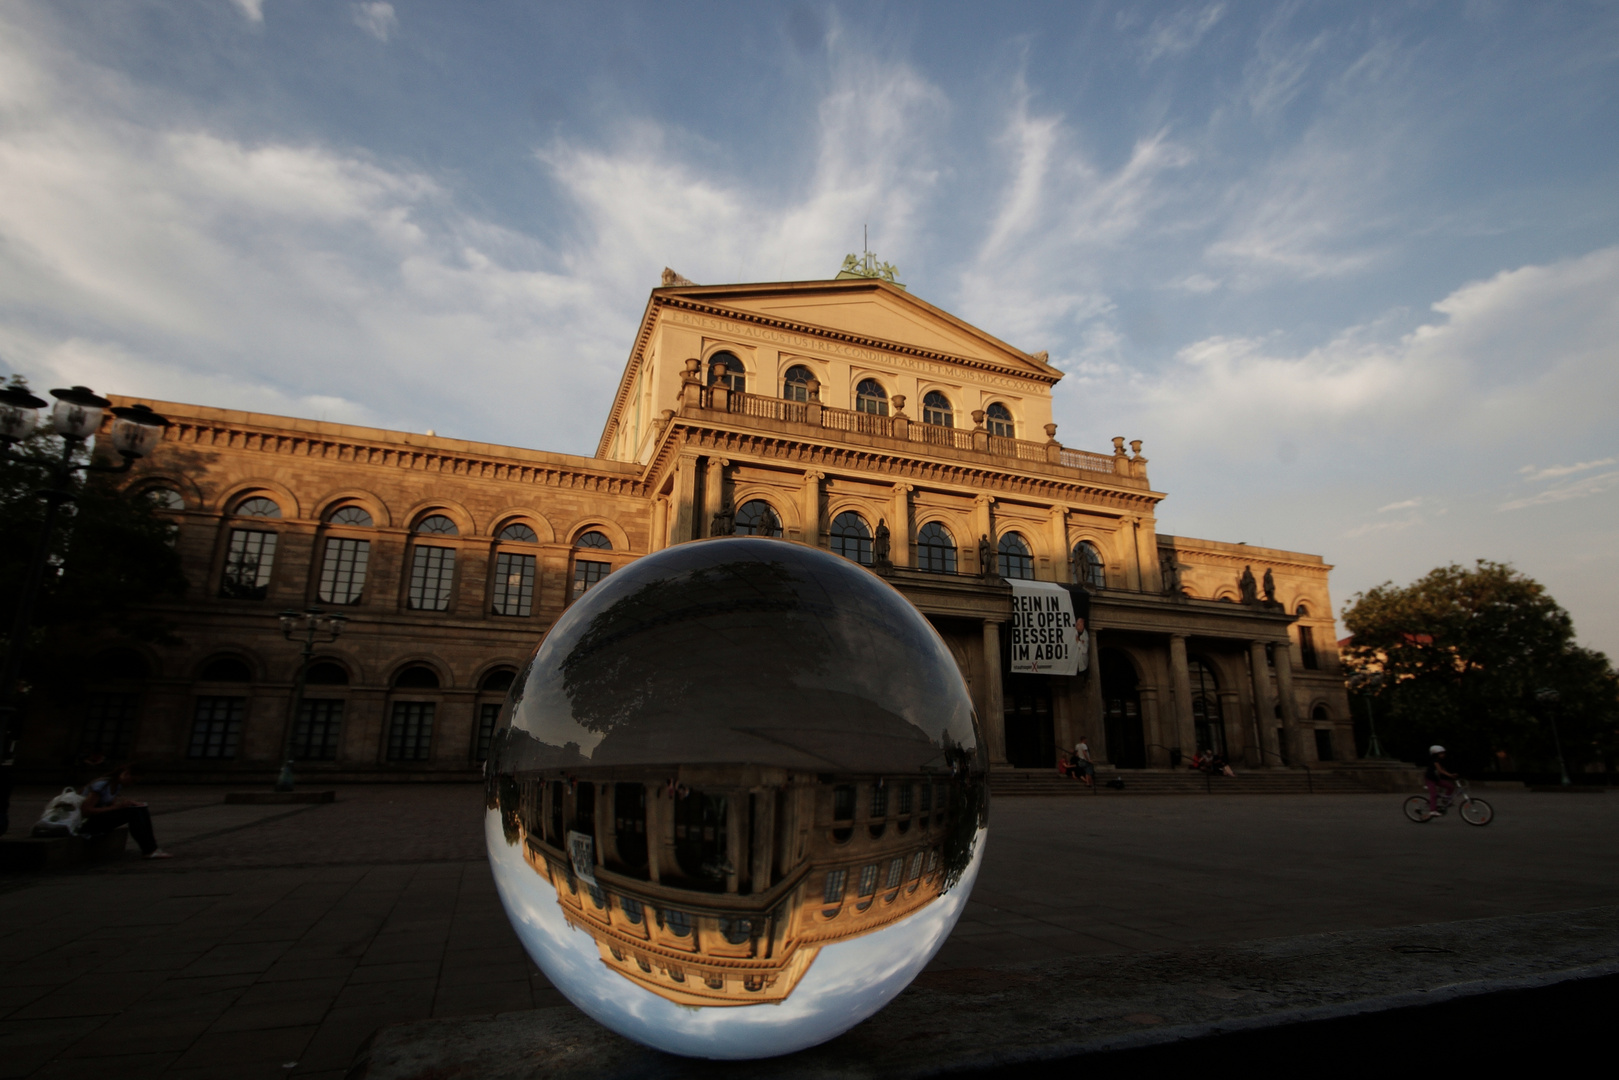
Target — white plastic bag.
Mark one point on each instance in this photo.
(63, 815)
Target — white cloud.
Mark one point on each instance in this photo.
(1406, 504)
(376, 18)
(1577, 489)
(252, 10)
(1180, 31)
(1532, 473)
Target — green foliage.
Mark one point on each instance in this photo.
(109, 558)
(1464, 653)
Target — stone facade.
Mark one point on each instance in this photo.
(840, 406)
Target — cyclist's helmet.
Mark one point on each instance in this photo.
(1436, 749)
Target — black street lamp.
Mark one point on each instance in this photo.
(1549, 697)
(316, 628)
(1366, 684)
(75, 417)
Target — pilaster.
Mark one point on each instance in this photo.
(992, 711)
(1180, 678)
(902, 538)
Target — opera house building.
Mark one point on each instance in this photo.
(846, 414)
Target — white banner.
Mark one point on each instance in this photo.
(1046, 638)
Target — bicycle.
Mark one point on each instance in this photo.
(1473, 811)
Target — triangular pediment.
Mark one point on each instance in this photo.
(872, 310)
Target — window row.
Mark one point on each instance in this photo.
(870, 396)
(216, 729)
(345, 561)
(886, 876)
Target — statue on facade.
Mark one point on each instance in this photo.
(1270, 589)
(986, 557)
(1172, 573)
(880, 543)
(1248, 586)
(724, 523)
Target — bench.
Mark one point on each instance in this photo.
(46, 852)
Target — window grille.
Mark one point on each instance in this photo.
(410, 735)
(896, 869)
(342, 573)
(736, 377)
(879, 801)
(594, 539)
(432, 572)
(514, 584)
(795, 384)
(1088, 561)
(109, 724)
(437, 525)
(314, 738)
(166, 499)
(1014, 558)
(936, 549)
(936, 410)
(249, 558)
(352, 516)
(868, 879)
(835, 882)
(851, 537)
(906, 795)
(586, 575)
(870, 397)
(258, 506)
(999, 421)
(217, 727)
(519, 533)
(757, 518)
(488, 715)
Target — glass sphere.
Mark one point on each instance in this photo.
(741, 798)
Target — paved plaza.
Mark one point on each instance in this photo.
(280, 937)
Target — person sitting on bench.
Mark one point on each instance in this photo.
(105, 809)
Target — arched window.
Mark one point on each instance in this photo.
(998, 418)
(258, 506)
(1302, 611)
(164, 498)
(1307, 654)
(436, 525)
(936, 410)
(216, 726)
(1207, 720)
(1088, 565)
(326, 673)
(513, 590)
(587, 572)
(851, 537)
(935, 549)
(355, 516)
(410, 724)
(416, 677)
(757, 518)
(496, 683)
(1014, 559)
(795, 384)
(112, 709)
(870, 397)
(316, 735)
(736, 377)
(231, 669)
(343, 567)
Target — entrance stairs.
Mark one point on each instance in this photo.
(1004, 780)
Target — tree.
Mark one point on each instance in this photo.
(111, 557)
(1463, 654)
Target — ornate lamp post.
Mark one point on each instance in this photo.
(1549, 697)
(316, 628)
(1366, 684)
(75, 417)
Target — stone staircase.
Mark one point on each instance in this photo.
(1006, 781)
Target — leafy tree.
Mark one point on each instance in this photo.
(1464, 654)
(110, 558)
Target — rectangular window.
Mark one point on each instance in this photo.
(586, 574)
(868, 879)
(879, 801)
(896, 867)
(342, 575)
(1307, 647)
(488, 714)
(905, 797)
(432, 572)
(835, 880)
(927, 797)
(916, 867)
(314, 738)
(217, 727)
(843, 802)
(109, 725)
(248, 559)
(410, 736)
(514, 584)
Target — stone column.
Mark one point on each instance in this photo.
(713, 494)
(1152, 726)
(660, 524)
(1061, 569)
(685, 496)
(1132, 553)
(811, 508)
(994, 704)
(983, 525)
(902, 538)
(1095, 724)
(763, 801)
(1236, 738)
(1264, 710)
(1185, 726)
(1152, 580)
(1296, 753)
(654, 830)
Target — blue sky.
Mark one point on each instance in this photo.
(1351, 271)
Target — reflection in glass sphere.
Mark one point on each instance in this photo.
(741, 799)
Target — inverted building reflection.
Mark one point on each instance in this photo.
(718, 885)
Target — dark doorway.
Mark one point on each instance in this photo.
(1121, 703)
(1207, 721)
(1030, 738)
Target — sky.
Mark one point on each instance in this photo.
(1350, 271)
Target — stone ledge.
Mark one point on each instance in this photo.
(45, 852)
(968, 1020)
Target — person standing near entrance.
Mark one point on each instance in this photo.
(1082, 762)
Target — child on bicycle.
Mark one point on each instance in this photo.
(1438, 778)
